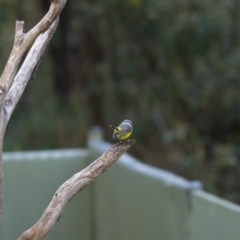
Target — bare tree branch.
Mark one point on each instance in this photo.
(22, 42)
(71, 187)
(28, 67)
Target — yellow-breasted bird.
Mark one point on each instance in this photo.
(123, 130)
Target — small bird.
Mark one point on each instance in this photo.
(123, 130)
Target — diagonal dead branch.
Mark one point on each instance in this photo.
(71, 187)
(28, 67)
(23, 41)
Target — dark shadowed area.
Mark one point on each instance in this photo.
(172, 67)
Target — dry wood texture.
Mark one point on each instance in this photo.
(11, 87)
(71, 187)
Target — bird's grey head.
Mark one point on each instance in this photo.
(128, 121)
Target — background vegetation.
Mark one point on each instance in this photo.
(172, 67)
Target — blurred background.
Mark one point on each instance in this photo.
(172, 67)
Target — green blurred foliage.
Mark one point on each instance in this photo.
(172, 67)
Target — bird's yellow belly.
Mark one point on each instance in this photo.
(124, 137)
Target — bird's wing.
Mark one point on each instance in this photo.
(122, 132)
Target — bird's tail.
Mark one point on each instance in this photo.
(113, 127)
(116, 130)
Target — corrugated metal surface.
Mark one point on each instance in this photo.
(214, 218)
(136, 201)
(131, 201)
(30, 180)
